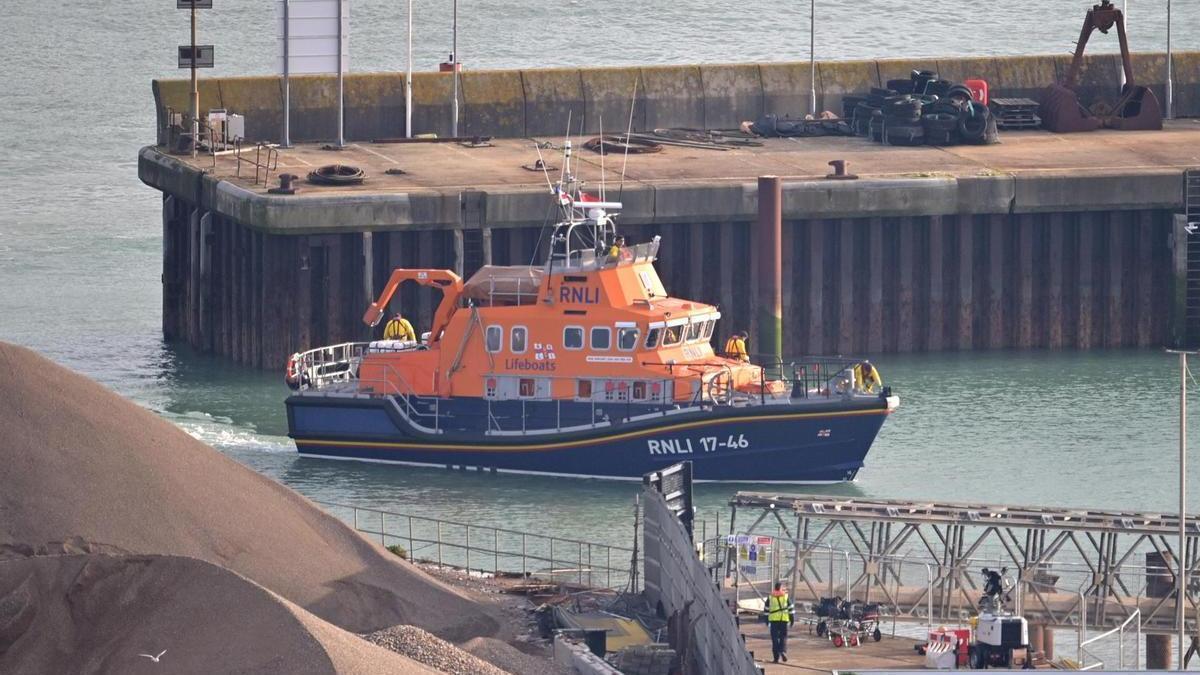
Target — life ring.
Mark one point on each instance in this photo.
(291, 375)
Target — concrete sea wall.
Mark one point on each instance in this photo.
(851, 285)
(520, 103)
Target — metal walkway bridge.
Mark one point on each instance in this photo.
(1073, 568)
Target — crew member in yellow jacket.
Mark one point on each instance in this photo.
(398, 328)
(867, 377)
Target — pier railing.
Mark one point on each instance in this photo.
(483, 549)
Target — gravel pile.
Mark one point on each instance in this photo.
(86, 471)
(103, 613)
(514, 660)
(422, 647)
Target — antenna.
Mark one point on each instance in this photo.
(566, 167)
(602, 153)
(628, 134)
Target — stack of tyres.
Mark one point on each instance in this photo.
(876, 126)
(861, 120)
(902, 121)
(941, 128)
(924, 110)
(977, 124)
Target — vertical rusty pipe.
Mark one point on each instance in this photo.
(768, 239)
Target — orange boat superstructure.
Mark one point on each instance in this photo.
(601, 322)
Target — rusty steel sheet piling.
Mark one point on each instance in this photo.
(768, 235)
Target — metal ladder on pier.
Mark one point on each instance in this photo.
(472, 251)
(1191, 209)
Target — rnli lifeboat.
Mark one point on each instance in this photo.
(582, 366)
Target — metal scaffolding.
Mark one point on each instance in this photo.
(1077, 568)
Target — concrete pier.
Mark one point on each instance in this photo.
(1058, 241)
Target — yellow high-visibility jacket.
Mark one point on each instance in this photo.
(735, 348)
(399, 329)
(778, 607)
(867, 377)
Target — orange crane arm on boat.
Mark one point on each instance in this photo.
(450, 283)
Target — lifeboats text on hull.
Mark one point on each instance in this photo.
(581, 366)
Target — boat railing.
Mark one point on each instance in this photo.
(590, 259)
(324, 366)
(811, 376)
(338, 366)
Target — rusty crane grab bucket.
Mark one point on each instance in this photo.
(1136, 109)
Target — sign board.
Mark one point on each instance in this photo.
(199, 4)
(312, 36)
(674, 483)
(204, 56)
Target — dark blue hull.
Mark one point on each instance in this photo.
(809, 442)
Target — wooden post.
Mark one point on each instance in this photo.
(301, 263)
(697, 270)
(729, 261)
(1086, 250)
(936, 326)
(904, 317)
(1114, 332)
(997, 337)
(1054, 295)
(485, 236)
(1024, 310)
(459, 254)
(791, 345)
(769, 266)
(966, 294)
(1145, 279)
(875, 290)
(816, 286)
(368, 268)
(258, 298)
(204, 322)
(846, 274)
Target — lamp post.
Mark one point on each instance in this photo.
(1181, 552)
(408, 78)
(812, 57)
(454, 67)
(1170, 84)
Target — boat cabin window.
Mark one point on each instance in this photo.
(495, 338)
(527, 387)
(639, 391)
(616, 391)
(652, 338)
(672, 336)
(584, 389)
(693, 331)
(627, 339)
(708, 329)
(601, 338)
(520, 337)
(573, 337)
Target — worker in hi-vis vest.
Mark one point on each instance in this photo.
(779, 616)
(398, 328)
(867, 377)
(735, 346)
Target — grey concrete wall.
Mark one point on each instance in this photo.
(520, 103)
(677, 579)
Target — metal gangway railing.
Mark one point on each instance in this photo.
(1078, 570)
(485, 549)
